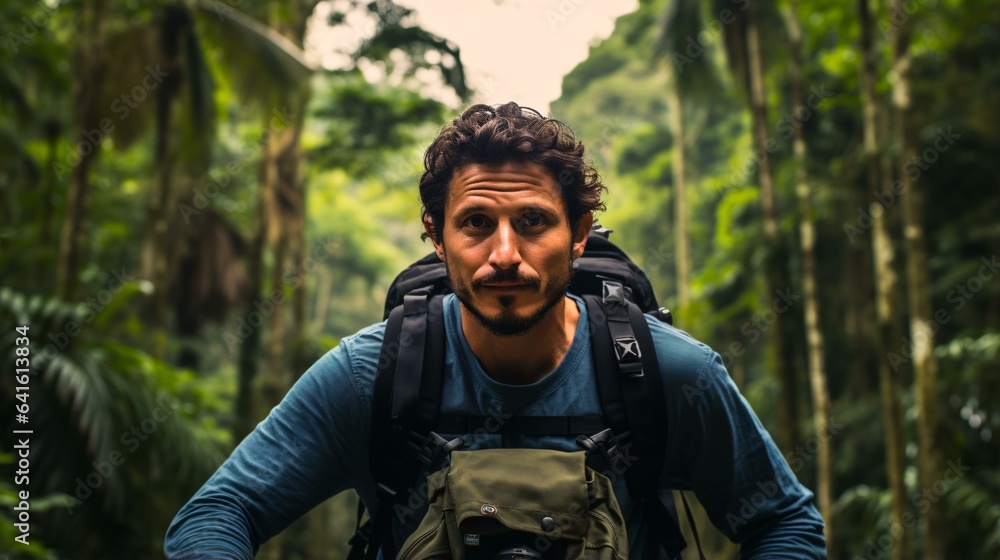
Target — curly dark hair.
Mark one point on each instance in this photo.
(509, 133)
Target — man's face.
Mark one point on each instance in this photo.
(507, 243)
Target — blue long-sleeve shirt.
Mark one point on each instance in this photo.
(314, 444)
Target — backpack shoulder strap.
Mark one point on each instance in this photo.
(405, 406)
(630, 389)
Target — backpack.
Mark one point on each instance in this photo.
(629, 435)
(477, 510)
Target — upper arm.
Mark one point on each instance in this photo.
(718, 448)
(305, 451)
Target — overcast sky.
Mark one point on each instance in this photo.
(513, 50)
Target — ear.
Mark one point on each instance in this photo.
(429, 229)
(581, 234)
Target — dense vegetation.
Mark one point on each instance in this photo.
(192, 215)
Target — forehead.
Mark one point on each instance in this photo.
(487, 184)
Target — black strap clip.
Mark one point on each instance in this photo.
(609, 446)
(615, 293)
(431, 447)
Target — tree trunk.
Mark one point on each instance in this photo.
(888, 287)
(814, 335)
(88, 82)
(273, 382)
(322, 300)
(925, 367)
(51, 141)
(294, 187)
(249, 353)
(776, 263)
(284, 187)
(683, 261)
(160, 234)
(889, 380)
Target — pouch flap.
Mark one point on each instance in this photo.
(489, 484)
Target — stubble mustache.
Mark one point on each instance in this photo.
(512, 275)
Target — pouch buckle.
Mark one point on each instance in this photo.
(431, 447)
(607, 444)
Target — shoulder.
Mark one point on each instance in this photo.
(363, 350)
(366, 341)
(676, 345)
(348, 368)
(684, 360)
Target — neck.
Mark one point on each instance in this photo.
(528, 357)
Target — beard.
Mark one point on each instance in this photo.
(508, 323)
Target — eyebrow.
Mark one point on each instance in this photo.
(474, 208)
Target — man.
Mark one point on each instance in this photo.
(508, 203)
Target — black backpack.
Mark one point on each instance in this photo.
(630, 432)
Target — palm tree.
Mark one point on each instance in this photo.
(267, 68)
(810, 296)
(925, 365)
(887, 283)
(689, 72)
(744, 54)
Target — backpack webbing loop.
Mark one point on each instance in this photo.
(411, 355)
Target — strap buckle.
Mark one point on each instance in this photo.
(431, 447)
(609, 446)
(615, 293)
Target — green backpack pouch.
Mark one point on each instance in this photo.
(514, 504)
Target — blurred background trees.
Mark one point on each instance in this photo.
(191, 214)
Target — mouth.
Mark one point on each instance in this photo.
(506, 287)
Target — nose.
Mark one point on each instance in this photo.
(505, 253)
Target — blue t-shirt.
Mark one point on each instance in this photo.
(314, 444)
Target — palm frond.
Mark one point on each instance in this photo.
(198, 120)
(681, 43)
(86, 398)
(266, 69)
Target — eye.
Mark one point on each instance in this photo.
(477, 221)
(532, 219)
